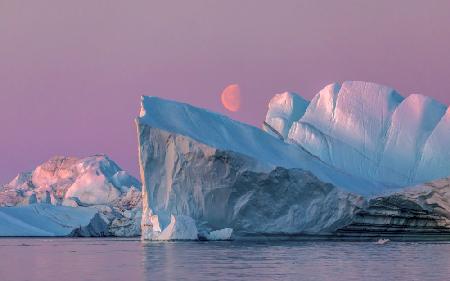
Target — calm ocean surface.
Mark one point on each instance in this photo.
(128, 260)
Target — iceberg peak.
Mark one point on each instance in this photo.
(284, 109)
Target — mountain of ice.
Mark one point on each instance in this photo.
(336, 171)
(96, 182)
(370, 131)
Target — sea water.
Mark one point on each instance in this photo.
(104, 259)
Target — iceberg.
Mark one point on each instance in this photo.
(95, 182)
(345, 164)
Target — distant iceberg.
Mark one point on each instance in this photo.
(71, 187)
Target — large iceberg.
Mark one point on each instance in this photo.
(95, 182)
(316, 169)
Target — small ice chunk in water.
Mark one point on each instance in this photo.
(221, 234)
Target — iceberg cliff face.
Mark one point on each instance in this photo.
(412, 123)
(420, 211)
(434, 161)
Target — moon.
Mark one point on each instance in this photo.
(231, 97)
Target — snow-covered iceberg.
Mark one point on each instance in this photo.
(95, 182)
(318, 174)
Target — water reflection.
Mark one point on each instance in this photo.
(129, 260)
(296, 261)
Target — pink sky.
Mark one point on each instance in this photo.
(72, 72)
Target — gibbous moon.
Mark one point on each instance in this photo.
(231, 97)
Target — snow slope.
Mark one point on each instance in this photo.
(49, 220)
(370, 131)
